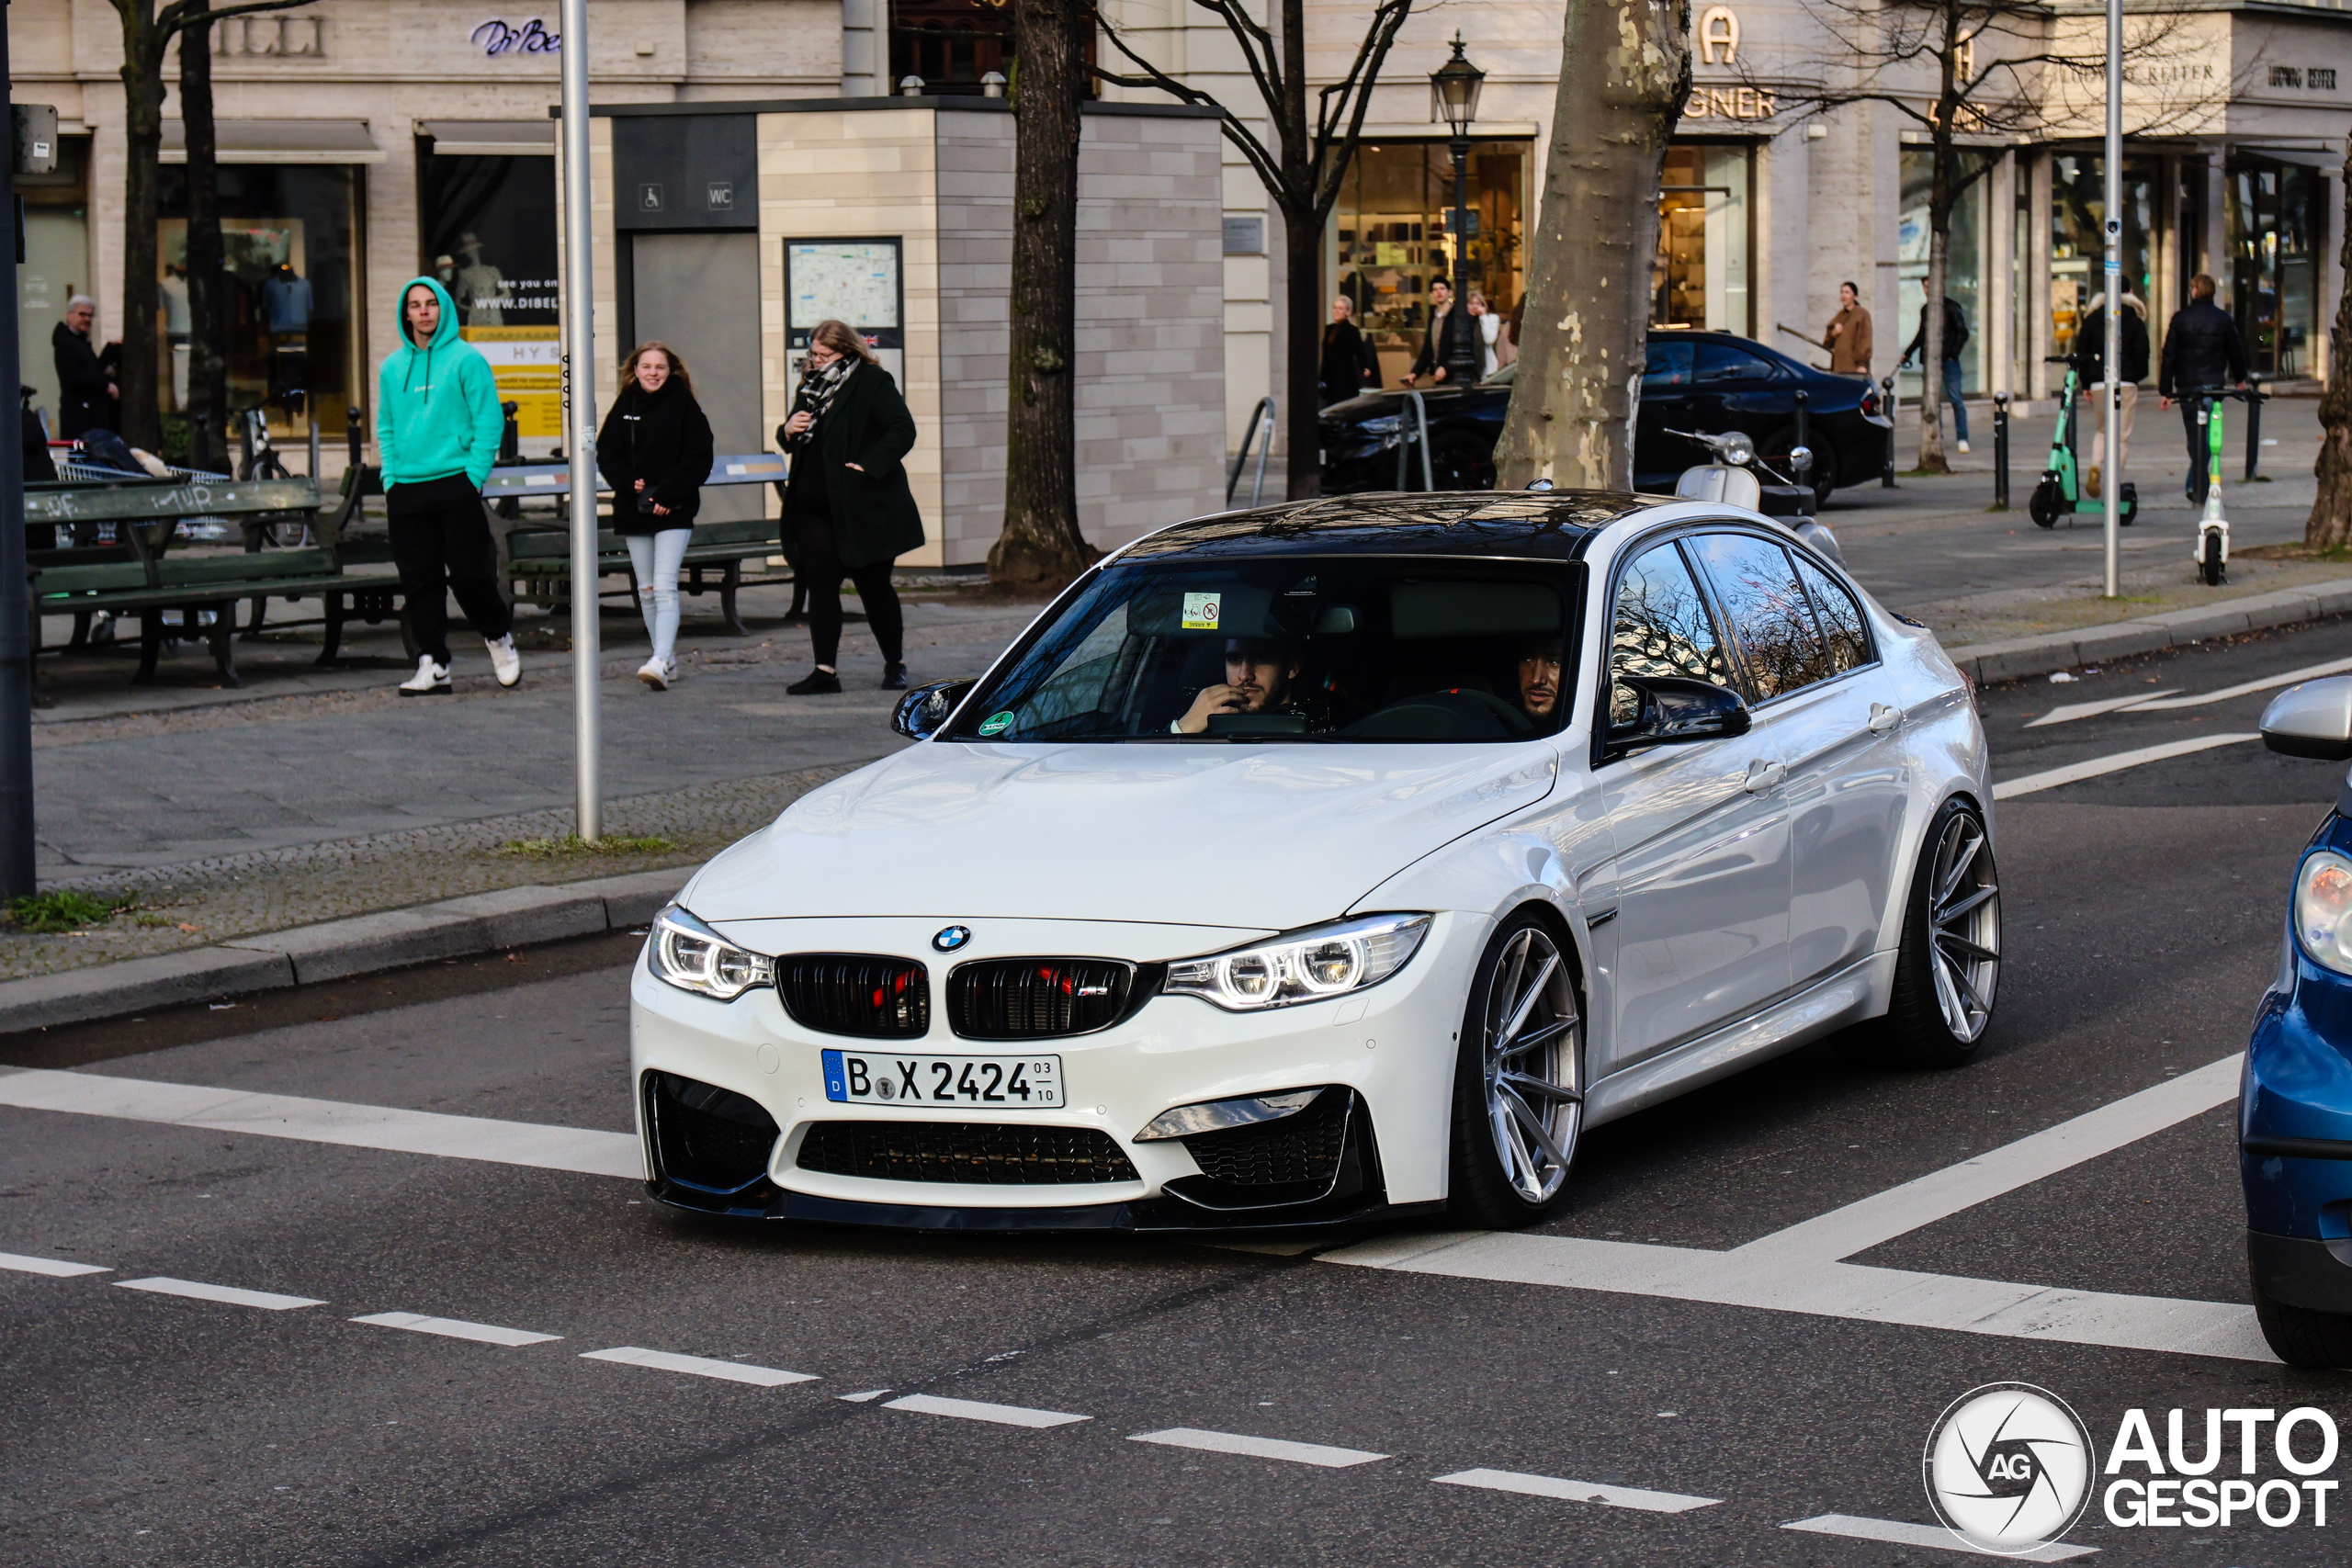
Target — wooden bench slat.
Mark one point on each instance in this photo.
(130, 503)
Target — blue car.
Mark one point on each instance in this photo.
(2295, 1101)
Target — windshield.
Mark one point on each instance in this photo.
(1293, 649)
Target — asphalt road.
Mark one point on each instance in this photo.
(2142, 911)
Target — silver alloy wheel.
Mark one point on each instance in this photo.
(1531, 1059)
(1964, 928)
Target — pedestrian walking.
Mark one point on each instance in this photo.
(437, 429)
(2131, 371)
(655, 451)
(2202, 350)
(1955, 339)
(1348, 368)
(1446, 339)
(1490, 332)
(87, 397)
(848, 511)
(1848, 336)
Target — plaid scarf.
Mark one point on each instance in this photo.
(817, 390)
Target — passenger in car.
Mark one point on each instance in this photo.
(1539, 678)
(1261, 677)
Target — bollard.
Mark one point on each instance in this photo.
(2253, 402)
(1894, 421)
(350, 438)
(2000, 451)
(1801, 472)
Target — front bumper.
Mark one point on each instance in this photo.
(2295, 1138)
(1388, 1049)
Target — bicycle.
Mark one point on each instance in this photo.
(2212, 554)
(260, 461)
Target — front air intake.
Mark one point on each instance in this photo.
(1036, 999)
(705, 1136)
(853, 993)
(973, 1153)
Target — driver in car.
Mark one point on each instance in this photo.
(1539, 679)
(1260, 677)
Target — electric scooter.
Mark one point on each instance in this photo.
(2213, 556)
(2060, 494)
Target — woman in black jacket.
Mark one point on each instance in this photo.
(655, 452)
(848, 511)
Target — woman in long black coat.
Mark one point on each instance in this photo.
(655, 451)
(848, 509)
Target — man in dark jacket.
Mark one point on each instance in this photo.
(1349, 366)
(2201, 351)
(2090, 345)
(86, 391)
(1955, 339)
(1451, 340)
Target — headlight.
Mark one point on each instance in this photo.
(1304, 967)
(693, 957)
(2322, 903)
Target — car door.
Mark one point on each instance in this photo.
(1732, 388)
(1665, 405)
(1828, 704)
(1703, 842)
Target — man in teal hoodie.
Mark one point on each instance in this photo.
(438, 430)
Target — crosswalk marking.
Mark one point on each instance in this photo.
(1257, 1448)
(196, 1290)
(455, 1328)
(698, 1366)
(56, 1267)
(977, 1410)
(2076, 773)
(1577, 1491)
(1894, 1532)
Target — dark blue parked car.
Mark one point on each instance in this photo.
(1709, 381)
(2295, 1100)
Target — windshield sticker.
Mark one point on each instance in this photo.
(1200, 611)
(996, 724)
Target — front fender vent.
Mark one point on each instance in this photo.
(705, 1137)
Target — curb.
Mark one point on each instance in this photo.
(2022, 657)
(455, 928)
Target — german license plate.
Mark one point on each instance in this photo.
(1002, 1083)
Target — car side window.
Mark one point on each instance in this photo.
(1769, 612)
(1663, 628)
(1722, 362)
(1667, 364)
(1841, 619)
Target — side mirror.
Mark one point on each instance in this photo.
(924, 712)
(1677, 710)
(2313, 719)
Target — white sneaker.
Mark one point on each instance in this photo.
(1963, 445)
(657, 674)
(431, 680)
(504, 663)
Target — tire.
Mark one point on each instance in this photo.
(2127, 513)
(2301, 1338)
(1949, 968)
(2047, 502)
(289, 536)
(1461, 459)
(1507, 1160)
(2209, 564)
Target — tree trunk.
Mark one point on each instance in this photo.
(208, 358)
(143, 83)
(1041, 548)
(1303, 264)
(1931, 345)
(1586, 325)
(2330, 524)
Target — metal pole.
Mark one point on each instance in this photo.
(1893, 424)
(580, 411)
(1467, 359)
(2000, 451)
(2111, 393)
(15, 597)
(2252, 427)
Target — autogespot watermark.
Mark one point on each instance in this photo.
(2010, 1468)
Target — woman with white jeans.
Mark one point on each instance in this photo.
(655, 451)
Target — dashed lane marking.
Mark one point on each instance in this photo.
(56, 1267)
(698, 1366)
(2069, 712)
(2076, 773)
(1256, 1447)
(197, 1291)
(2163, 701)
(326, 1122)
(455, 1328)
(1894, 1532)
(862, 1398)
(1576, 1491)
(975, 1410)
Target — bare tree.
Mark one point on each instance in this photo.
(2330, 524)
(1304, 171)
(208, 315)
(1587, 321)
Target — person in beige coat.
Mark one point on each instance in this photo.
(1849, 337)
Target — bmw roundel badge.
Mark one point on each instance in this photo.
(951, 938)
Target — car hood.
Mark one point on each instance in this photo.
(1268, 836)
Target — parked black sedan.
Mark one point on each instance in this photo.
(1708, 381)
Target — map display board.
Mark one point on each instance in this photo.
(856, 279)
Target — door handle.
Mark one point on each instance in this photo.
(1884, 718)
(1763, 775)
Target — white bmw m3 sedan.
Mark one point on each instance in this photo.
(1330, 862)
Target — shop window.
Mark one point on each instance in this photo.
(2077, 246)
(1391, 236)
(951, 44)
(1699, 279)
(489, 227)
(1963, 264)
(2272, 213)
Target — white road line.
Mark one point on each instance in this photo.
(975, 1410)
(326, 1122)
(455, 1328)
(697, 1366)
(1576, 1491)
(53, 1267)
(2068, 712)
(862, 1398)
(2308, 672)
(2033, 783)
(1934, 1537)
(197, 1291)
(1257, 1448)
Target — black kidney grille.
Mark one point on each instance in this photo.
(980, 1153)
(1298, 1149)
(705, 1135)
(853, 993)
(1031, 998)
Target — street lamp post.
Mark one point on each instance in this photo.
(1454, 98)
(580, 420)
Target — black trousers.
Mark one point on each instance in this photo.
(2200, 460)
(821, 572)
(441, 543)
